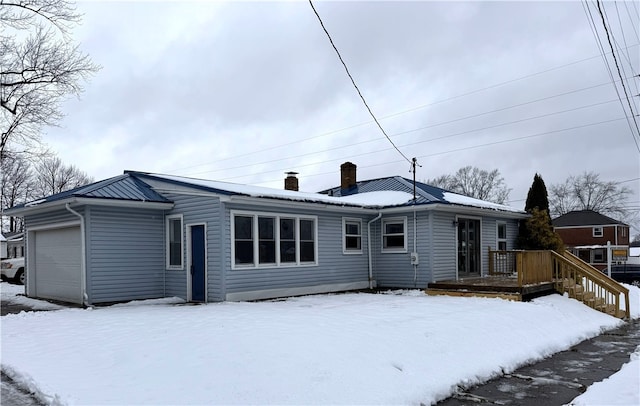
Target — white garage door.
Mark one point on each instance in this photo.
(57, 264)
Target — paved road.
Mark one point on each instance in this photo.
(9, 308)
(10, 393)
(560, 378)
(13, 395)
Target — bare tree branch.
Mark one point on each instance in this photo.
(588, 192)
(38, 70)
(475, 182)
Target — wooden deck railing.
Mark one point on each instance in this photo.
(529, 266)
(569, 274)
(584, 282)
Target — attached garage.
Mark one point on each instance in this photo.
(56, 271)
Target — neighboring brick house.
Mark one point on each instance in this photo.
(586, 233)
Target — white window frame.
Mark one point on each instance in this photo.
(498, 239)
(351, 251)
(393, 250)
(597, 232)
(256, 240)
(168, 219)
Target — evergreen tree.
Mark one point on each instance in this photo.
(536, 232)
(537, 196)
(540, 234)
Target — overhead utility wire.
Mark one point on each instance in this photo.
(418, 142)
(434, 154)
(622, 50)
(356, 86)
(615, 60)
(449, 151)
(594, 30)
(423, 106)
(439, 124)
(633, 26)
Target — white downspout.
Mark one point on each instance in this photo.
(369, 249)
(83, 268)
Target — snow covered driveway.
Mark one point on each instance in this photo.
(329, 349)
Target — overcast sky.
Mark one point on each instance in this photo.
(243, 92)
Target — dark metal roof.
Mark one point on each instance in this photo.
(584, 218)
(125, 187)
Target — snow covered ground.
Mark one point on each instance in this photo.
(400, 348)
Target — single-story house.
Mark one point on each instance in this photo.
(143, 235)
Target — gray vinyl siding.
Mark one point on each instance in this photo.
(444, 246)
(125, 254)
(205, 210)
(333, 267)
(51, 218)
(488, 239)
(394, 270)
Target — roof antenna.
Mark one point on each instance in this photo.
(414, 163)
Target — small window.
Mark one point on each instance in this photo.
(307, 241)
(597, 232)
(393, 234)
(243, 241)
(174, 242)
(599, 256)
(502, 236)
(352, 236)
(267, 242)
(287, 240)
(624, 232)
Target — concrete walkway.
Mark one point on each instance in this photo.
(557, 380)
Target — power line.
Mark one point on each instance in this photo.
(620, 49)
(412, 109)
(422, 128)
(594, 30)
(619, 66)
(429, 126)
(354, 84)
(631, 19)
(429, 155)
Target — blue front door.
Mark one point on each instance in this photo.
(197, 264)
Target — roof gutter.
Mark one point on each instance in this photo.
(369, 248)
(460, 209)
(48, 206)
(83, 254)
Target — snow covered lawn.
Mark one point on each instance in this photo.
(403, 348)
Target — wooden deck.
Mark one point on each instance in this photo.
(502, 286)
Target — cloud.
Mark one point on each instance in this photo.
(246, 91)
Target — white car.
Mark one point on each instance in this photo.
(13, 269)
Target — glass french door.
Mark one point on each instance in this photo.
(468, 247)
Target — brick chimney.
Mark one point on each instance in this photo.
(291, 181)
(347, 176)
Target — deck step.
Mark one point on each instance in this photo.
(466, 293)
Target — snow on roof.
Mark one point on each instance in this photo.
(370, 199)
(380, 198)
(470, 201)
(2, 238)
